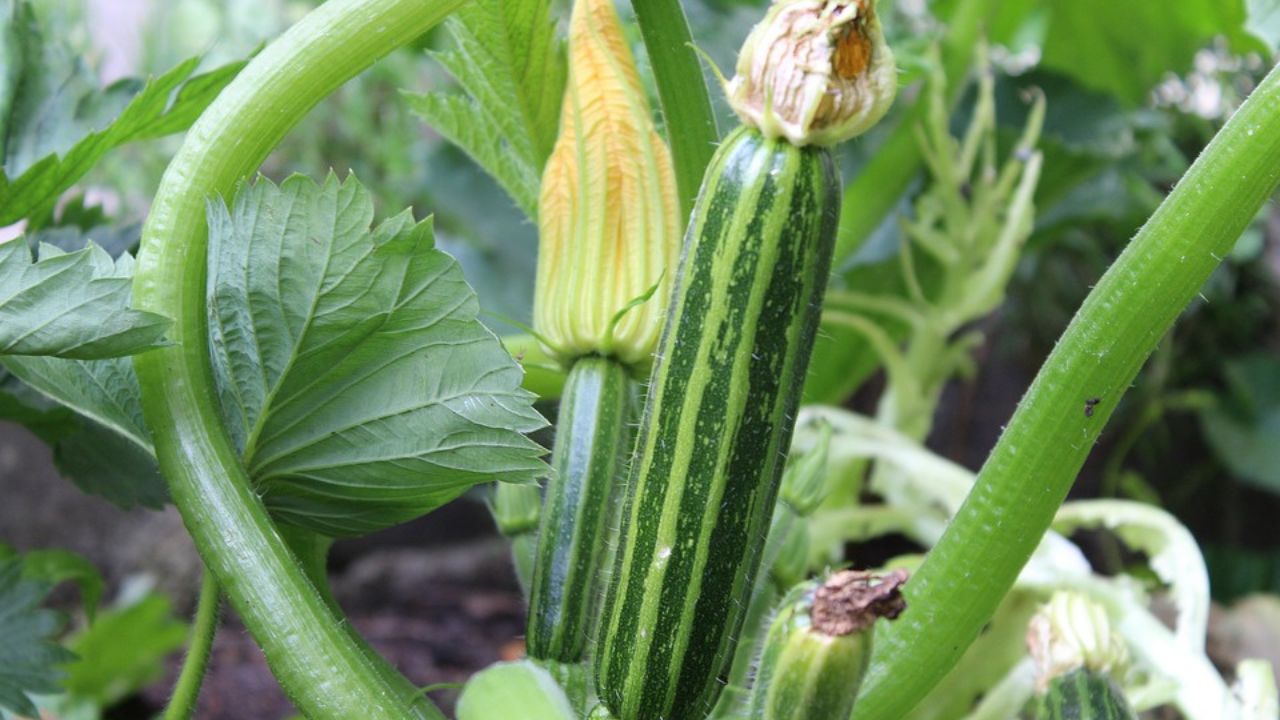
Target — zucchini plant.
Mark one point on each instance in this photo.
(287, 371)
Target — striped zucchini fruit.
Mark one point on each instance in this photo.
(717, 424)
(590, 448)
(1082, 695)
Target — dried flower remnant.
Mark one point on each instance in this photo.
(815, 72)
(851, 601)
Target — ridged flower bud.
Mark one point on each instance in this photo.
(819, 645)
(608, 216)
(1071, 632)
(815, 72)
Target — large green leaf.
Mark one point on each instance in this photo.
(354, 372)
(55, 122)
(1126, 48)
(28, 655)
(511, 71)
(72, 305)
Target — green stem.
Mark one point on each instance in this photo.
(682, 88)
(1027, 475)
(312, 551)
(842, 361)
(182, 705)
(542, 374)
(319, 665)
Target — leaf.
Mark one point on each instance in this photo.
(72, 305)
(1126, 48)
(20, 404)
(105, 449)
(511, 71)
(353, 371)
(1242, 431)
(28, 655)
(124, 650)
(1263, 22)
(57, 566)
(55, 122)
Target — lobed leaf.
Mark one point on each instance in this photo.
(510, 68)
(124, 650)
(56, 123)
(353, 370)
(28, 655)
(72, 305)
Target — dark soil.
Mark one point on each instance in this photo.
(439, 615)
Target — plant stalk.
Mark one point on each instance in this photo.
(682, 88)
(1028, 473)
(182, 704)
(319, 665)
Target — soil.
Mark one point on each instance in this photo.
(438, 615)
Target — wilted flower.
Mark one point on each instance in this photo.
(1070, 632)
(608, 216)
(815, 72)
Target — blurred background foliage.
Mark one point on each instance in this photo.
(1134, 91)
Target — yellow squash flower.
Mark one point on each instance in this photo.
(608, 217)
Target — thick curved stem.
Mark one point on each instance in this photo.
(682, 88)
(182, 705)
(1028, 473)
(319, 665)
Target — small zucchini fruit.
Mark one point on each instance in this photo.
(1082, 694)
(819, 646)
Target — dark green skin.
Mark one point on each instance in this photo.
(589, 452)
(1082, 695)
(721, 407)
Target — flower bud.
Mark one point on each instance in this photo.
(1071, 632)
(819, 645)
(516, 508)
(815, 72)
(804, 482)
(608, 216)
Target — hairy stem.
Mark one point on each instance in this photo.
(682, 88)
(1028, 473)
(842, 361)
(319, 665)
(182, 704)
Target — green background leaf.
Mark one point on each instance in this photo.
(28, 655)
(1244, 431)
(511, 71)
(56, 123)
(123, 650)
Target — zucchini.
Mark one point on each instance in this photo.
(732, 357)
(721, 406)
(1082, 694)
(589, 451)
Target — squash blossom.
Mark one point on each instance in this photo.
(815, 72)
(608, 217)
(1071, 632)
